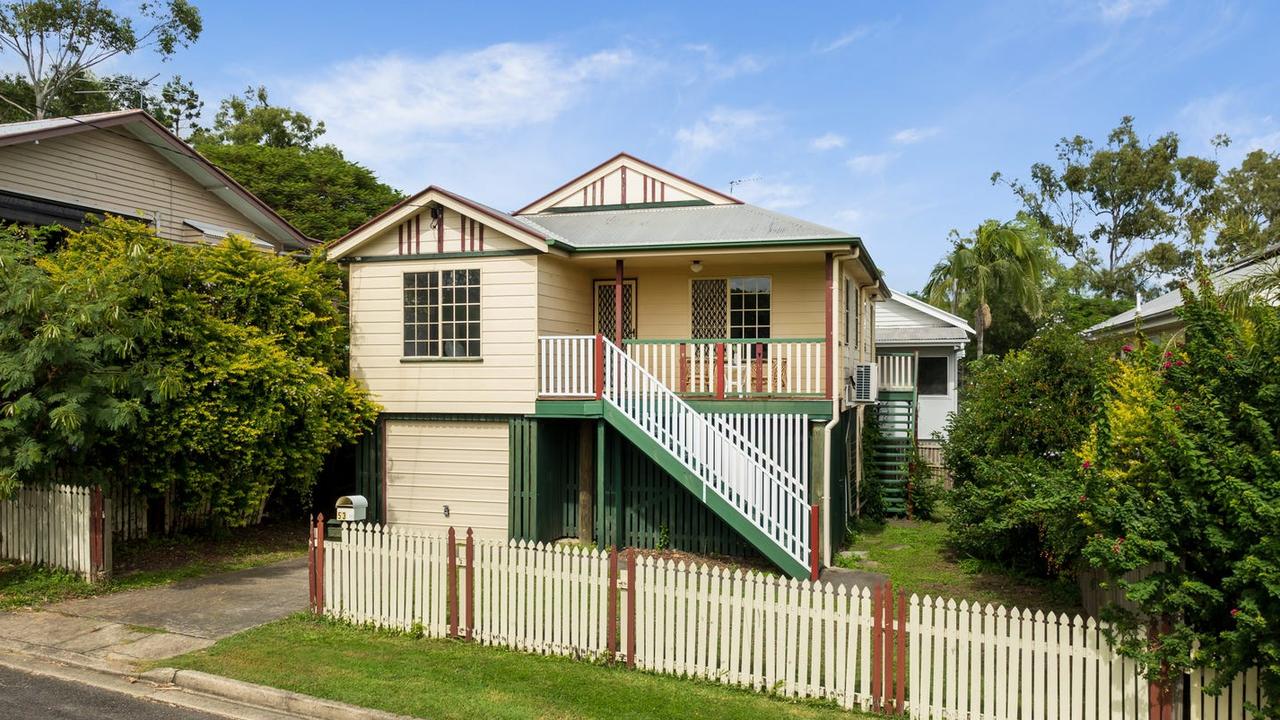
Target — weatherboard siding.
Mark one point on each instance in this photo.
(114, 171)
(564, 298)
(503, 380)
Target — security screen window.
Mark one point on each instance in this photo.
(932, 379)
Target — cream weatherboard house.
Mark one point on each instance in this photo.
(633, 359)
(64, 170)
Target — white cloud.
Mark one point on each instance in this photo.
(830, 141)
(720, 128)
(846, 39)
(377, 107)
(1118, 11)
(775, 195)
(910, 136)
(871, 164)
(715, 68)
(1232, 114)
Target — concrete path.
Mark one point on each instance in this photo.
(161, 622)
(842, 577)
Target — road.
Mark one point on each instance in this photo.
(43, 698)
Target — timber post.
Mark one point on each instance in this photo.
(471, 585)
(451, 581)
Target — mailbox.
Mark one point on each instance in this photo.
(351, 508)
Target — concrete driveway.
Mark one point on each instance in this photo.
(160, 622)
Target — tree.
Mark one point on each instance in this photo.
(1246, 207)
(272, 151)
(1128, 211)
(216, 374)
(178, 107)
(59, 41)
(1001, 259)
(250, 119)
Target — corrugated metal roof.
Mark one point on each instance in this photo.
(28, 126)
(1164, 305)
(686, 225)
(898, 336)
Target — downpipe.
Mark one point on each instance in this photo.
(837, 388)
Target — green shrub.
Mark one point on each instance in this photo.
(924, 492)
(872, 490)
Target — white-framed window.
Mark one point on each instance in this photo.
(442, 314)
(738, 308)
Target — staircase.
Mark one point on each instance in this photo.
(896, 412)
(763, 501)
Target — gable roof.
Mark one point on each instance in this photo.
(933, 311)
(949, 329)
(524, 232)
(147, 130)
(696, 189)
(1161, 310)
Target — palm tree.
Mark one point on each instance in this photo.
(1000, 259)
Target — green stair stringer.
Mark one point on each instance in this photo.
(896, 412)
(691, 482)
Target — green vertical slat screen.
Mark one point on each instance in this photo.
(369, 471)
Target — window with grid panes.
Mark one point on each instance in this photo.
(442, 314)
(749, 308)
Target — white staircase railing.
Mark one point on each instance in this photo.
(729, 465)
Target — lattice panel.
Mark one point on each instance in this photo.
(604, 309)
(709, 316)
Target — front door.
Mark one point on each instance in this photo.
(605, 318)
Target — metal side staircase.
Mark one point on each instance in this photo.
(740, 483)
(896, 412)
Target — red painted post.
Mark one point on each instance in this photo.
(599, 366)
(886, 657)
(719, 371)
(814, 542)
(320, 565)
(757, 384)
(1159, 690)
(471, 584)
(451, 582)
(311, 563)
(611, 635)
(901, 706)
(684, 369)
(631, 608)
(877, 645)
(97, 545)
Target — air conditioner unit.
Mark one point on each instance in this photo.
(863, 383)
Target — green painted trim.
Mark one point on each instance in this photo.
(441, 256)
(601, 471)
(474, 417)
(693, 484)
(625, 206)
(566, 408)
(716, 244)
(727, 341)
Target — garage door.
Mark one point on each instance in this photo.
(459, 465)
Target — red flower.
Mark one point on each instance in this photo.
(1127, 348)
(1168, 353)
(1235, 612)
(1179, 363)
(1177, 408)
(1082, 498)
(1086, 464)
(1167, 365)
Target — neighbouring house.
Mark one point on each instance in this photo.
(61, 171)
(633, 359)
(1158, 318)
(918, 351)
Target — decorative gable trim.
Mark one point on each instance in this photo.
(406, 219)
(625, 181)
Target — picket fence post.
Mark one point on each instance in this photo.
(611, 643)
(451, 581)
(631, 608)
(471, 584)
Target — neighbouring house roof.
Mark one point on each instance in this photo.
(921, 335)
(935, 312)
(1161, 311)
(147, 129)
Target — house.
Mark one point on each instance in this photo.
(1158, 317)
(918, 351)
(60, 171)
(633, 359)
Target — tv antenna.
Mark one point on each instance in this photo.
(733, 184)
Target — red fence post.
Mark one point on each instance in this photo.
(877, 645)
(611, 635)
(719, 371)
(684, 368)
(311, 563)
(901, 682)
(471, 584)
(814, 533)
(758, 384)
(452, 582)
(320, 564)
(886, 657)
(599, 366)
(97, 545)
(1159, 685)
(631, 608)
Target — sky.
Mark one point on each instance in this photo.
(886, 120)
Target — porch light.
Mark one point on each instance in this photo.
(696, 266)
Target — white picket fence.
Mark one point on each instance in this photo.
(57, 526)
(858, 647)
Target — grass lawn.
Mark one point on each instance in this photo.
(915, 557)
(452, 679)
(155, 561)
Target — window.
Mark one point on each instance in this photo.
(749, 308)
(442, 314)
(932, 378)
